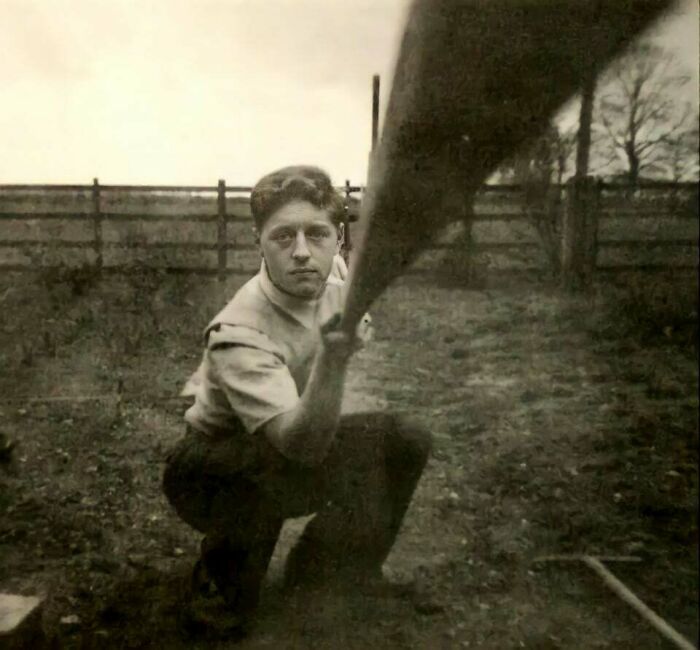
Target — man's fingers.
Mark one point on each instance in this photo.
(332, 324)
(365, 331)
(340, 342)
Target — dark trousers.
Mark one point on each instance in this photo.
(238, 490)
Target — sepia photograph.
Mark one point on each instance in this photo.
(331, 325)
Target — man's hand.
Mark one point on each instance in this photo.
(305, 433)
(365, 331)
(338, 344)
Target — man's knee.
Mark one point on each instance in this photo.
(172, 481)
(185, 486)
(411, 440)
(404, 442)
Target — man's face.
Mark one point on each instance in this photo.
(298, 242)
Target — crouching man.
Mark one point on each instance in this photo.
(265, 438)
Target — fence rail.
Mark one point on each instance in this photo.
(485, 189)
(23, 205)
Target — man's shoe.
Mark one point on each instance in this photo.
(206, 614)
(201, 582)
(209, 617)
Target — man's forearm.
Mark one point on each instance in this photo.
(306, 433)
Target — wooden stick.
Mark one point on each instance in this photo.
(641, 608)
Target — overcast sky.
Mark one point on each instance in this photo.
(190, 91)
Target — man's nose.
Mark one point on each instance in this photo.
(301, 250)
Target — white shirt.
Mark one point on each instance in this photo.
(258, 356)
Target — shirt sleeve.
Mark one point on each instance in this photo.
(249, 369)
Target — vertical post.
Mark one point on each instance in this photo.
(580, 232)
(375, 121)
(347, 244)
(592, 225)
(468, 223)
(375, 110)
(97, 223)
(221, 230)
(583, 136)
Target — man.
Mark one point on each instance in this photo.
(265, 439)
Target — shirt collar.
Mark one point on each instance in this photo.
(300, 309)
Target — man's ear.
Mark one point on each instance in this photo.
(341, 237)
(256, 239)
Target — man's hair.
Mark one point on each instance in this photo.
(296, 183)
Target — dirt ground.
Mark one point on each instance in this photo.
(561, 426)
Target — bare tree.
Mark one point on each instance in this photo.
(562, 146)
(540, 170)
(681, 159)
(547, 160)
(639, 110)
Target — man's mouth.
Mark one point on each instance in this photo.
(303, 272)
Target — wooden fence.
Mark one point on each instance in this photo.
(208, 229)
(27, 210)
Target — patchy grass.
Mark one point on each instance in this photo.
(561, 426)
(652, 309)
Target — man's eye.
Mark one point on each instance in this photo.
(283, 236)
(317, 233)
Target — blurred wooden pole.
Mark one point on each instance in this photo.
(491, 74)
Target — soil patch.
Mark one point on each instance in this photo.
(555, 431)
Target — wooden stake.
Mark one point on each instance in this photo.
(624, 593)
(649, 615)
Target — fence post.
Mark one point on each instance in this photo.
(580, 232)
(347, 243)
(221, 230)
(97, 222)
(375, 110)
(375, 125)
(469, 249)
(457, 264)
